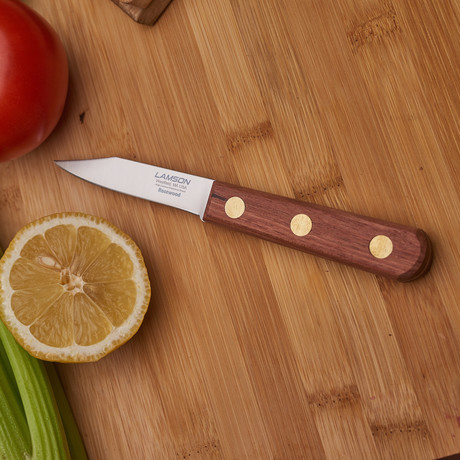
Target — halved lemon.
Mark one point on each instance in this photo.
(73, 287)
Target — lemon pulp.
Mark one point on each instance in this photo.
(72, 287)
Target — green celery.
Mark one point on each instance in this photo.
(36, 420)
(76, 446)
(43, 419)
(15, 439)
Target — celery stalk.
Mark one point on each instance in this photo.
(36, 420)
(14, 433)
(44, 422)
(76, 446)
(15, 439)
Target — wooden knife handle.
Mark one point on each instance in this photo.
(395, 251)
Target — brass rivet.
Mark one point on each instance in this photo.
(381, 246)
(301, 225)
(234, 207)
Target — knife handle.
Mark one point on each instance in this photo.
(392, 250)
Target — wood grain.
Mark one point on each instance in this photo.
(251, 350)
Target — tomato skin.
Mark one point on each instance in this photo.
(33, 79)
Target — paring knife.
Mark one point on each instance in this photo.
(392, 250)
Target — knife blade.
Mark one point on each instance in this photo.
(388, 249)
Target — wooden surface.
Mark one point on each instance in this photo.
(251, 350)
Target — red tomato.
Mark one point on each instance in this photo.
(33, 79)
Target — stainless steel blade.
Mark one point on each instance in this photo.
(166, 186)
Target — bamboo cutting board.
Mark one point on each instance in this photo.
(251, 350)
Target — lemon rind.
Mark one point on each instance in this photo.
(75, 352)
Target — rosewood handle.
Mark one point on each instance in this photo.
(392, 250)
